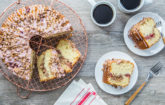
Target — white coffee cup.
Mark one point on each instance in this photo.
(95, 4)
(142, 3)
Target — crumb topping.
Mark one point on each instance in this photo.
(54, 66)
(17, 30)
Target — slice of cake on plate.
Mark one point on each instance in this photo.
(117, 72)
(144, 33)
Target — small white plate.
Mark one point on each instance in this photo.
(99, 73)
(131, 45)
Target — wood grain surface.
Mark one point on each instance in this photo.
(101, 40)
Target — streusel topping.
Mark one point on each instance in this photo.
(17, 30)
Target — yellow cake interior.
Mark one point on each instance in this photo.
(117, 72)
(150, 33)
(68, 51)
(144, 33)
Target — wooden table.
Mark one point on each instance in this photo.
(101, 41)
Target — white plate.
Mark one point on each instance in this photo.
(130, 44)
(99, 73)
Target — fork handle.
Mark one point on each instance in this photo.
(164, 40)
(135, 94)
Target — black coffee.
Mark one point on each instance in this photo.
(103, 14)
(130, 4)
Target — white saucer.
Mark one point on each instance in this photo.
(131, 45)
(99, 73)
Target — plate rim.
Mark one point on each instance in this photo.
(134, 83)
(125, 35)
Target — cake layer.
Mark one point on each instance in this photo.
(117, 72)
(144, 33)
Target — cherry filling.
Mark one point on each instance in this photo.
(150, 36)
(27, 9)
(127, 75)
(110, 74)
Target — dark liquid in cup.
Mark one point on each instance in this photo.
(103, 14)
(130, 4)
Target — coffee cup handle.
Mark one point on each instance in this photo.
(92, 2)
(146, 2)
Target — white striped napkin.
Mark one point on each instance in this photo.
(80, 93)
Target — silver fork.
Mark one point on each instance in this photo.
(159, 27)
(154, 71)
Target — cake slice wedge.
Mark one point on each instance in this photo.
(69, 54)
(49, 67)
(144, 33)
(117, 72)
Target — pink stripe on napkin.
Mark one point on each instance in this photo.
(83, 96)
(86, 97)
(92, 100)
(77, 96)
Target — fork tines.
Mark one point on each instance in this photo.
(158, 23)
(156, 68)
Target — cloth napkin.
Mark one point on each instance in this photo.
(79, 93)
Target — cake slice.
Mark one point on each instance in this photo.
(117, 72)
(49, 67)
(55, 63)
(144, 33)
(69, 54)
